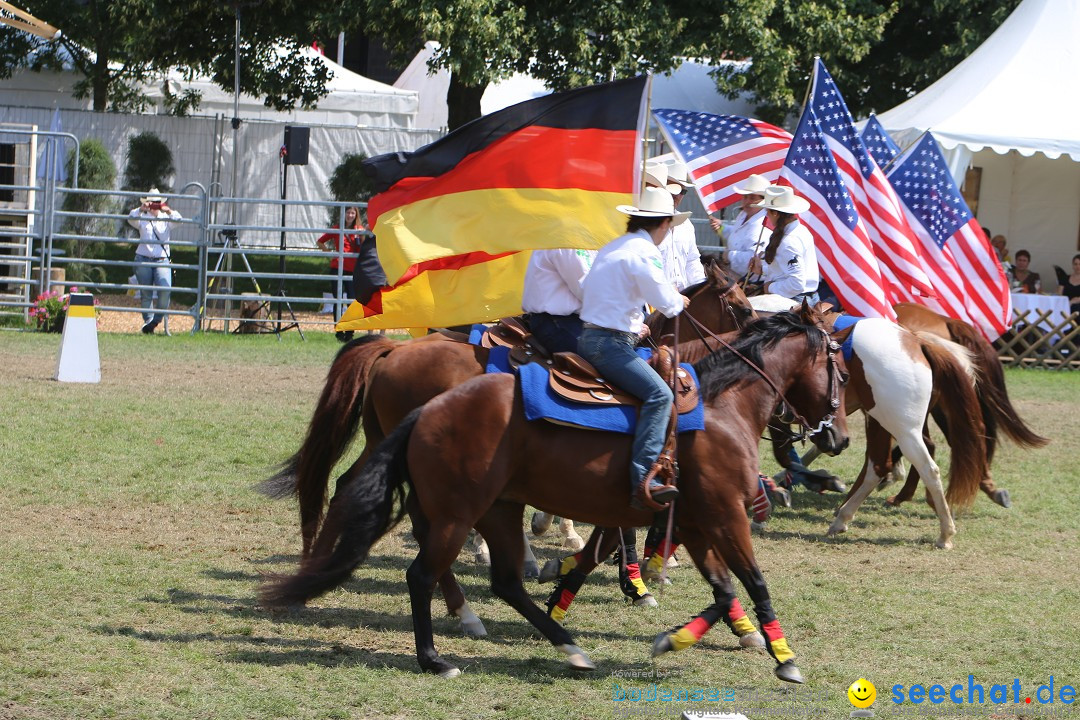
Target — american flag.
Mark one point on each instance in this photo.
(880, 146)
(952, 238)
(845, 255)
(723, 150)
(907, 279)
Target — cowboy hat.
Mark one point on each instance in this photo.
(753, 185)
(783, 199)
(655, 203)
(677, 173)
(656, 174)
(155, 196)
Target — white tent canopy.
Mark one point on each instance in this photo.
(1009, 111)
(1013, 93)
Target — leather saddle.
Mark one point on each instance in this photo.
(574, 378)
(509, 332)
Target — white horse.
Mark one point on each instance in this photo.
(896, 375)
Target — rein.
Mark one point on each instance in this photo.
(790, 415)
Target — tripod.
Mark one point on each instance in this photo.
(247, 324)
(279, 328)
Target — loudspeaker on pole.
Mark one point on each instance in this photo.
(79, 360)
(296, 144)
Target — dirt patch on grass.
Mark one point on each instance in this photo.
(131, 321)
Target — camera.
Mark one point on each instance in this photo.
(155, 205)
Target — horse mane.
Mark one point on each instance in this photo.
(721, 369)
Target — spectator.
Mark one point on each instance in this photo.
(1070, 288)
(153, 260)
(999, 245)
(1020, 278)
(348, 243)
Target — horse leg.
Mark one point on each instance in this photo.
(502, 524)
(908, 491)
(875, 466)
(571, 539)
(541, 522)
(569, 574)
(725, 605)
(914, 450)
(438, 550)
(658, 551)
(729, 536)
(630, 580)
(480, 550)
(531, 570)
(456, 604)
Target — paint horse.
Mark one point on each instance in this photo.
(896, 376)
(375, 382)
(482, 472)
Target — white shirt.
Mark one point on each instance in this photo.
(553, 281)
(794, 270)
(627, 273)
(745, 234)
(682, 259)
(153, 231)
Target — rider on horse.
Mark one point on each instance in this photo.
(628, 273)
(552, 296)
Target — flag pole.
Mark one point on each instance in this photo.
(645, 134)
(903, 150)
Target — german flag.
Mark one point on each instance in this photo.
(454, 220)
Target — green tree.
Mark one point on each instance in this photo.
(349, 183)
(97, 171)
(119, 44)
(149, 163)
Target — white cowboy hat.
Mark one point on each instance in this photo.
(655, 203)
(783, 199)
(154, 196)
(656, 174)
(753, 185)
(677, 173)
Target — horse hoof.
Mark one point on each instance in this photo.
(483, 558)
(672, 562)
(1001, 497)
(549, 572)
(577, 658)
(474, 629)
(451, 673)
(835, 529)
(573, 542)
(652, 577)
(752, 640)
(661, 644)
(541, 523)
(891, 502)
(758, 527)
(835, 484)
(789, 672)
(781, 496)
(530, 571)
(646, 600)
(943, 544)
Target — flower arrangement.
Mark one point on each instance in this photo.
(50, 309)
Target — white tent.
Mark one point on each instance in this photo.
(353, 99)
(688, 87)
(1009, 109)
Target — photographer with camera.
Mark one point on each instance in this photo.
(153, 219)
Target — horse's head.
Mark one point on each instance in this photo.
(816, 397)
(719, 305)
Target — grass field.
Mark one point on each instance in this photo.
(132, 546)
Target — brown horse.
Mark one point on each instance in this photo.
(482, 472)
(375, 382)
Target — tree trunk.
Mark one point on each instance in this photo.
(462, 102)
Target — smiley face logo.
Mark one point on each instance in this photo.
(862, 693)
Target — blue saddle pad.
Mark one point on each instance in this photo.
(476, 333)
(843, 322)
(542, 403)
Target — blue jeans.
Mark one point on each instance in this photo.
(156, 272)
(557, 333)
(612, 352)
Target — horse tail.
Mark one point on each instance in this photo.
(997, 408)
(365, 510)
(332, 427)
(954, 379)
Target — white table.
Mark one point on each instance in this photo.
(1056, 305)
